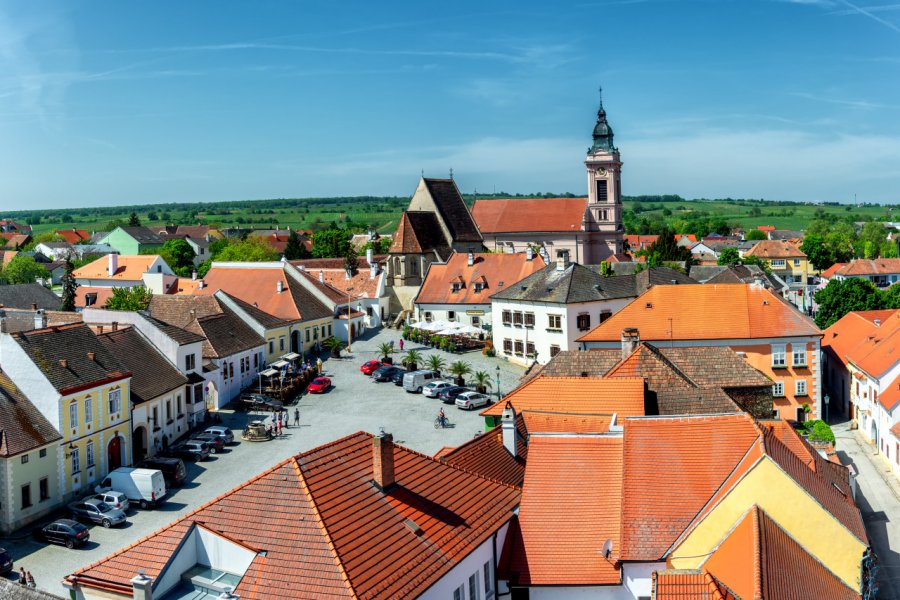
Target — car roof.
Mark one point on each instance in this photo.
(68, 522)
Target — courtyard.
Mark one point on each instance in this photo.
(354, 403)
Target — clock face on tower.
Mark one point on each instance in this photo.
(601, 171)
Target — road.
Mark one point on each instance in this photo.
(354, 403)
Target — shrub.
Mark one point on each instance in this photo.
(819, 431)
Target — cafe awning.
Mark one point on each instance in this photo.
(290, 356)
(279, 364)
(268, 373)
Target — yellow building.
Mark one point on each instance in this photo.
(83, 392)
(785, 259)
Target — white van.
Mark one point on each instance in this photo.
(415, 381)
(144, 486)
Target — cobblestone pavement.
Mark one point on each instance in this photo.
(354, 403)
(878, 497)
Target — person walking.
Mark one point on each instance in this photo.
(278, 428)
(23, 579)
(31, 583)
(401, 344)
(297, 417)
(319, 366)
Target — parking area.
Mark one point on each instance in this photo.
(354, 403)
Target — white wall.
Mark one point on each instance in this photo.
(596, 592)
(459, 575)
(439, 312)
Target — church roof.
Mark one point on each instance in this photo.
(418, 233)
(453, 210)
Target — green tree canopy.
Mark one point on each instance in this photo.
(295, 248)
(179, 255)
(666, 249)
(134, 220)
(842, 296)
(252, 249)
(129, 299)
(817, 251)
(755, 235)
(69, 287)
(729, 256)
(330, 243)
(24, 269)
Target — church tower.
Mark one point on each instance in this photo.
(604, 214)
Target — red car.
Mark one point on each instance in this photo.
(319, 385)
(371, 366)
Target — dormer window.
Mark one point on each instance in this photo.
(454, 287)
(479, 287)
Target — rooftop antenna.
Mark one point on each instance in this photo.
(607, 548)
(423, 173)
(600, 89)
(451, 172)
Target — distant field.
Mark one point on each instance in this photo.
(383, 213)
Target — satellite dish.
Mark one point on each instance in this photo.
(607, 548)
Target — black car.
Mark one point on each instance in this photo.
(397, 377)
(188, 452)
(6, 562)
(449, 395)
(260, 402)
(67, 532)
(172, 469)
(386, 373)
(216, 443)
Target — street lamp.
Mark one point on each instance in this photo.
(349, 320)
(498, 383)
(827, 399)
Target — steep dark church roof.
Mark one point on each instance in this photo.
(453, 210)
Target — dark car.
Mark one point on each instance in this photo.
(97, 512)
(67, 532)
(260, 402)
(397, 377)
(386, 373)
(192, 452)
(216, 443)
(6, 562)
(172, 469)
(449, 395)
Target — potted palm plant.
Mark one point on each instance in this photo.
(386, 350)
(411, 360)
(436, 363)
(482, 381)
(334, 345)
(460, 369)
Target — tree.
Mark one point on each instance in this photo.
(755, 235)
(817, 251)
(871, 237)
(24, 269)
(842, 296)
(891, 297)
(666, 249)
(295, 248)
(334, 345)
(330, 243)
(351, 262)
(110, 225)
(482, 381)
(729, 256)
(216, 246)
(436, 363)
(178, 254)
(889, 249)
(129, 299)
(411, 360)
(460, 369)
(839, 240)
(133, 220)
(385, 350)
(69, 286)
(252, 249)
(152, 216)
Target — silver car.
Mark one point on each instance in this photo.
(431, 390)
(223, 432)
(471, 400)
(97, 512)
(114, 499)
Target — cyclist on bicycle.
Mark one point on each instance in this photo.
(442, 418)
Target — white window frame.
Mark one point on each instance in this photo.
(778, 262)
(115, 401)
(474, 587)
(779, 355)
(73, 414)
(88, 410)
(558, 322)
(798, 352)
(89, 453)
(460, 593)
(800, 387)
(778, 389)
(76, 461)
(796, 262)
(487, 573)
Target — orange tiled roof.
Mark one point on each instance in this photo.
(851, 330)
(774, 249)
(507, 215)
(891, 396)
(552, 422)
(73, 236)
(486, 455)
(576, 395)
(100, 294)
(896, 430)
(879, 349)
(766, 228)
(7, 256)
(690, 236)
(674, 584)
(130, 267)
(329, 532)
(186, 285)
(496, 271)
(571, 503)
(360, 285)
(832, 270)
(705, 312)
(639, 242)
(877, 266)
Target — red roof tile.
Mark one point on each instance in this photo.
(495, 271)
(879, 349)
(832, 270)
(775, 249)
(876, 266)
(74, 236)
(576, 395)
(508, 215)
(687, 585)
(852, 330)
(552, 422)
(571, 503)
(487, 456)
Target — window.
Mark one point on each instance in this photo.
(89, 452)
(451, 315)
(168, 410)
(800, 387)
(777, 262)
(554, 350)
(42, 453)
(190, 361)
(604, 315)
(459, 593)
(454, 287)
(428, 316)
(44, 489)
(488, 581)
(798, 356)
(76, 461)
(507, 346)
(583, 322)
(778, 356)
(26, 495)
(155, 417)
(778, 389)
(178, 402)
(476, 321)
(281, 343)
(88, 410)
(602, 194)
(529, 349)
(517, 319)
(529, 320)
(520, 347)
(796, 262)
(329, 330)
(307, 335)
(473, 586)
(73, 414)
(507, 317)
(24, 459)
(272, 343)
(554, 321)
(479, 287)
(231, 369)
(115, 401)
(255, 361)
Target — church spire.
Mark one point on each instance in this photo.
(603, 133)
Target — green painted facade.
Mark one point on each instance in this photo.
(126, 245)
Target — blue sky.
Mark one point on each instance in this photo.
(135, 102)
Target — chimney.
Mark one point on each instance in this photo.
(529, 253)
(279, 286)
(471, 258)
(64, 363)
(202, 284)
(370, 255)
(508, 427)
(40, 319)
(877, 322)
(142, 587)
(34, 306)
(321, 276)
(113, 264)
(115, 325)
(373, 270)
(227, 594)
(562, 260)
(630, 340)
(193, 275)
(92, 356)
(383, 461)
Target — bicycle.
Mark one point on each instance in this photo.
(441, 422)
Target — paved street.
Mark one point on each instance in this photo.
(355, 403)
(879, 502)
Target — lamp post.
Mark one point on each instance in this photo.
(827, 399)
(497, 369)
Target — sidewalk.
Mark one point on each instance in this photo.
(875, 459)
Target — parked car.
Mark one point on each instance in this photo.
(386, 373)
(448, 395)
(223, 432)
(114, 499)
(67, 532)
(415, 381)
(434, 389)
(6, 562)
(471, 400)
(370, 366)
(261, 402)
(144, 486)
(215, 443)
(172, 469)
(397, 377)
(319, 385)
(97, 512)
(191, 453)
